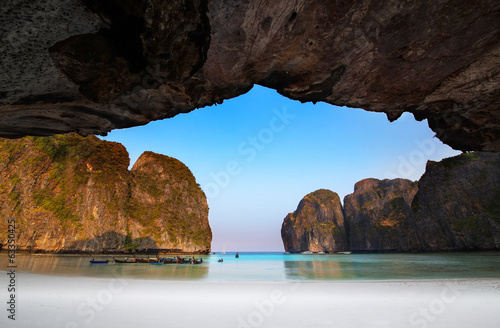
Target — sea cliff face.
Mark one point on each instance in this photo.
(375, 213)
(316, 225)
(167, 203)
(75, 194)
(457, 206)
(454, 206)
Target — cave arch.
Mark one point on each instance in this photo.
(80, 66)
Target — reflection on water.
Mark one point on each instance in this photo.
(277, 267)
(395, 266)
(80, 266)
(319, 270)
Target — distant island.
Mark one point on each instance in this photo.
(70, 194)
(455, 206)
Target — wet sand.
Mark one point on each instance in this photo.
(70, 302)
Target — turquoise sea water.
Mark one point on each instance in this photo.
(277, 267)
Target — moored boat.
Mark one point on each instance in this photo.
(195, 261)
(183, 260)
(138, 260)
(126, 260)
(156, 263)
(154, 260)
(169, 260)
(98, 262)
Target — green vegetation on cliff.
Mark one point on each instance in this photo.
(457, 204)
(454, 206)
(78, 195)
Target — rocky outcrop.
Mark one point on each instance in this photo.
(317, 225)
(167, 203)
(75, 194)
(457, 206)
(376, 213)
(454, 206)
(93, 66)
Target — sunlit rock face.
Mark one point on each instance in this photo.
(75, 194)
(92, 66)
(317, 225)
(455, 206)
(376, 214)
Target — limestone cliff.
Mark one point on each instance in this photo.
(457, 206)
(454, 206)
(168, 204)
(376, 212)
(316, 225)
(75, 194)
(92, 66)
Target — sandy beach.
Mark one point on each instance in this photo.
(70, 302)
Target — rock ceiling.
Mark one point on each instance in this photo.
(92, 66)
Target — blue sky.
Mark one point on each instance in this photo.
(257, 155)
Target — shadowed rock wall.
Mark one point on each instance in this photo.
(376, 213)
(93, 66)
(454, 206)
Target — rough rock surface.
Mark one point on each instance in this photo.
(376, 213)
(457, 206)
(454, 206)
(92, 66)
(317, 225)
(75, 194)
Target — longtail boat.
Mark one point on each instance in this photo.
(169, 260)
(183, 260)
(98, 262)
(138, 260)
(124, 261)
(156, 263)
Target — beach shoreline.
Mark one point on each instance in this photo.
(62, 301)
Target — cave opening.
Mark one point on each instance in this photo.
(257, 155)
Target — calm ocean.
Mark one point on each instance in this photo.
(261, 266)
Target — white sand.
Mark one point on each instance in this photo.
(69, 302)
